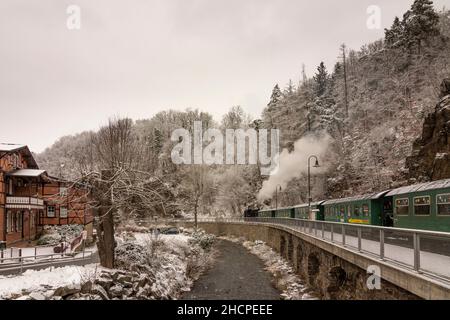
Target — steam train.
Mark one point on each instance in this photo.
(423, 206)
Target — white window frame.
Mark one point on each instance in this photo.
(414, 207)
(437, 205)
(61, 210)
(54, 212)
(63, 191)
(396, 206)
(8, 221)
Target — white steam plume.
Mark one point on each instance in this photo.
(295, 164)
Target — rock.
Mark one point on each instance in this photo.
(48, 294)
(75, 296)
(141, 294)
(106, 275)
(86, 287)
(23, 298)
(106, 283)
(124, 278)
(430, 157)
(142, 280)
(116, 290)
(127, 292)
(445, 88)
(37, 296)
(99, 290)
(67, 290)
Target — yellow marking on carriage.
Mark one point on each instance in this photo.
(358, 221)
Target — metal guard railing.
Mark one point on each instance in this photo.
(420, 250)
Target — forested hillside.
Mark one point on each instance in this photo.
(373, 104)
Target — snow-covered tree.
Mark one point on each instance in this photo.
(321, 79)
(420, 23)
(275, 97)
(394, 35)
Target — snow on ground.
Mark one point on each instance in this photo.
(170, 264)
(35, 280)
(286, 279)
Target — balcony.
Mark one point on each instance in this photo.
(24, 203)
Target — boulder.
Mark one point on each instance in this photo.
(99, 290)
(67, 290)
(124, 278)
(116, 291)
(86, 286)
(37, 296)
(106, 283)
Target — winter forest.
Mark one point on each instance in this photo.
(355, 207)
(371, 106)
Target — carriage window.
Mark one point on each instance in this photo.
(443, 204)
(356, 211)
(342, 211)
(365, 210)
(422, 206)
(402, 207)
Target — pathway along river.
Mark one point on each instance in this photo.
(236, 275)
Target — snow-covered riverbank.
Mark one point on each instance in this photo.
(147, 267)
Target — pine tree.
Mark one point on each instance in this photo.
(394, 36)
(321, 80)
(275, 97)
(420, 22)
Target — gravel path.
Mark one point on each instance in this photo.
(236, 274)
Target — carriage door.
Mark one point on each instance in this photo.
(387, 215)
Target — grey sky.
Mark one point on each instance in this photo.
(137, 57)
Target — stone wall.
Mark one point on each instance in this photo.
(329, 275)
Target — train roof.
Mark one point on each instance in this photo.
(370, 196)
(293, 207)
(303, 205)
(439, 184)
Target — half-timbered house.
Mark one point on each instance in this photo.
(30, 198)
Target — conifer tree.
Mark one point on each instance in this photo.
(420, 22)
(394, 36)
(275, 97)
(321, 80)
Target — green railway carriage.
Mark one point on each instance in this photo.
(266, 213)
(365, 209)
(287, 212)
(302, 211)
(422, 206)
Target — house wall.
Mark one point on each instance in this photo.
(2, 207)
(75, 200)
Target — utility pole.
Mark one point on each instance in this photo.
(316, 165)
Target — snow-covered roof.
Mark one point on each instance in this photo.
(303, 205)
(439, 184)
(292, 207)
(26, 173)
(370, 196)
(11, 146)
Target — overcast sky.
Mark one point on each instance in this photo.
(137, 57)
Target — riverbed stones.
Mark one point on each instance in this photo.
(67, 290)
(37, 296)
